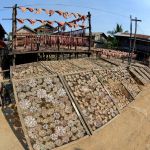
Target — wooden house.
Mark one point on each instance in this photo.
(99, 39)
(45, 29)
(142, 44)
(21, 33)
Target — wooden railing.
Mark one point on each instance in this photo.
(32, 42)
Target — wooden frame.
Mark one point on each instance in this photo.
(123, 86)
(77, 105)
(141, 80)
(69, 98)
(14, 36)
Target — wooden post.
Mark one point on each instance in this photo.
(129, 60)
(134, 43)
(90, 31)
(58, 39)
(14, 30)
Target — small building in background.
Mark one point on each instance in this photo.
(99, 39)
(24, 30)
(45, 28)
(142, 44)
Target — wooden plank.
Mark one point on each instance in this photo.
(147, 69)
(109, 61)
(50, 51)
(47, 68)
(141, 74)
(38, 77)
(145, 72)
(141, 80)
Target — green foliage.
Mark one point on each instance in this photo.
(112, 41)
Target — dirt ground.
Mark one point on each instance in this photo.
(8, 140)
(128, 131)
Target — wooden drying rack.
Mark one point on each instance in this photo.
(14, 53)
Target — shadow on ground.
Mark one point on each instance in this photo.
(13, 120)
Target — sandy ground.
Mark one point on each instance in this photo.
(128, 131)
(8, 140)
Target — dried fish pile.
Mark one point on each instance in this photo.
(29, 70)
(113, 84)
(94, 102)
(48, 115)
(61, 66)
(84, 63)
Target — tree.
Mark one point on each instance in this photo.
(118, 28)
(112, 41)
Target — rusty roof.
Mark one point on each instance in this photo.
(140, 36)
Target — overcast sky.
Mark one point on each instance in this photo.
(105, 13)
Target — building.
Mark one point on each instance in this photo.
(99, 39)
(25, 30)
(45, 28)
(21, 32)
(2, 32)
(2, 36)
(142, 44)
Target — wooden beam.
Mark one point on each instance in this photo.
(14, 29)
(90, 30)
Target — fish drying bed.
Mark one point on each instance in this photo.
(62, 101)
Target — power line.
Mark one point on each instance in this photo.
(141, 29)
(79, 6)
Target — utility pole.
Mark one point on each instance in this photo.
(134, 43)
(90, 31)
(130, 39)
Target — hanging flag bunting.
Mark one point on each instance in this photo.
(79, 15)
(83, 17)
(69, 14)
(38, 11)
(31, 21)
(59, 12)
(69, 24)
(82, 26)
(65, 15)
(20, 21)
(50, 22)
(75, 15)
(41, 21)
(47, 11)
(51, 12)
(60, 23)
(75, 25)
(63, 28)
(23, 9)
(30, 9)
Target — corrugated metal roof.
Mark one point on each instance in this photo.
(140, 36)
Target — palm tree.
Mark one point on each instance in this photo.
(112, 41)
(118, 28)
